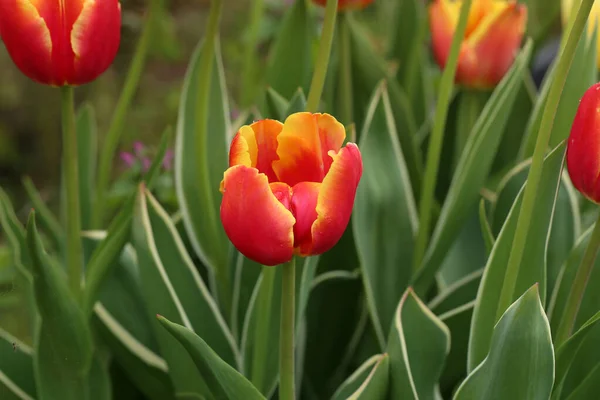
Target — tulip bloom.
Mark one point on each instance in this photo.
(593, 20)
(61, 42)
(344, 5)
(289, 188)
(493, 36)
(583, 147)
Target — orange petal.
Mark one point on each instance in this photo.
(489, 52)
(256, 146)
(256, 222)
(304, 208)
(335, 200)
(442, 23)
(303, 146)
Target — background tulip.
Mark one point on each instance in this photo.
(290, 187)
(583, 149)
(347, 4)
(60, 42)
(594, 19)
(494, 33)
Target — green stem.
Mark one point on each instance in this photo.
(207, 58)
(115, 129)
(263, 320)
(582, 277)
(471, 103)
(286, 333)
(249, 78)
(535, 171)
(71, 176)
(318, 79)
(345, 70)
(437, 138)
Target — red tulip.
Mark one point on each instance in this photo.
(583, 147)
(494, 32)
(346, 4)
(289, 188)
(61, 42)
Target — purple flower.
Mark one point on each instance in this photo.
(128, 158)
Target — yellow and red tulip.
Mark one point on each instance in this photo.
(289, 188)
(493, 36)
(344, 5)
(583, 147)
(61, 42)
(593, 20)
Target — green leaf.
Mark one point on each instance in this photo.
(458, 321)
(16, 368)
(297, 104)
(99, 386)
(472, 170)
(418, 345)
(153, 171)
(87, 150)
(486, 229)
(533, 264)
(368, 70)
(520, 363)
(199, 168)
(63, 351)
(275, 105)
(290, 59)
(48, 221)
(580, 77)
(160, 297)
(589, 387)
(459, 293)
(224, 382)
(385, 216)
(369, 381)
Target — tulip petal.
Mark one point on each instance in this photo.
(304, 208)
(489, 52)
(303, 146)
(27, 39)
(256, 146)
(255, 221)
(335, 200)
(95, 38)
(583, 147)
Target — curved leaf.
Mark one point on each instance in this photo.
(223, 381)
(418, 345)
(459, 293)
(520, 364)
(533, 263)
(369, 381)
(16, 368)
(385, 216)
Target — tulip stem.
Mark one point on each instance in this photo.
(71, 179)
(582, 277)
(437, 138)
(113, 135)
(249, 72)
(345, 71)
(318, 79)
(470, 104)
(286, 332)
(535, 171)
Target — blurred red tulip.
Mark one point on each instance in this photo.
(494, 32)
(290, 187)
(346, 4)
(61, 42)
(583, 147)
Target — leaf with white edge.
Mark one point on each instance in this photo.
(369, 381)
(418, 346)
(459, 293)
(533, 263)
(16, 368)
(223, 381)
(160, 298)
(520, 364)
(199, 168)
(472, 170)
(385, 217)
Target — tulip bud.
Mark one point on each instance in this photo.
(583, 147)
(492, 38)
(289, 188)
(61, 42)
(593, 20)
(344, 5)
